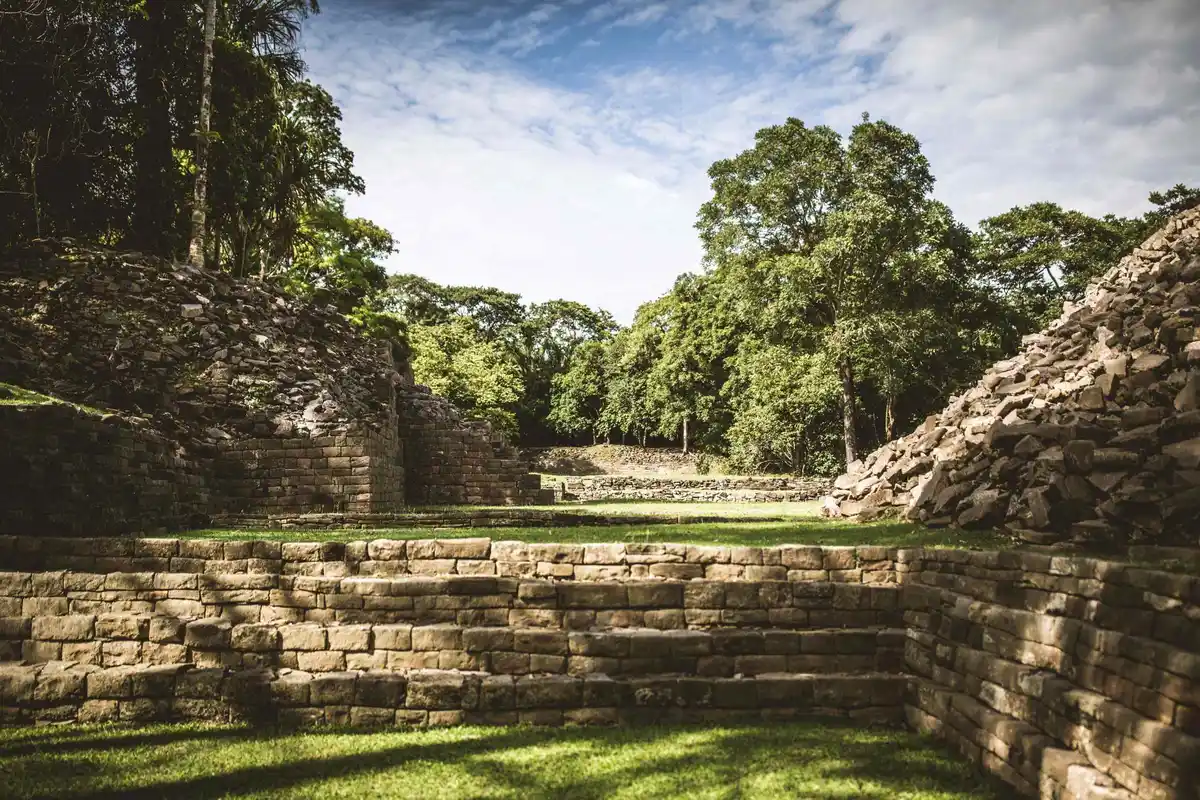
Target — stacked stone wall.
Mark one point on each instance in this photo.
(1067, 677)
(866, 565)
(360, 471)
(453, 461)
(69, 471)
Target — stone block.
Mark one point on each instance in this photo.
(208, 634)
(332, 688)
(307, 637)
(255, 638)
(321, 661)
(69, 628)
(549, 691)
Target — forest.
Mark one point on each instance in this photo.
(838, 303)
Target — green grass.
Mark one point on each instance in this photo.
(13, 395)
(763, 534)
(796, 760)
(657, 508)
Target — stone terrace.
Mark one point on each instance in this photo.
(1068, 677)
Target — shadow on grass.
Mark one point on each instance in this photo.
(510, 762)
(757, 533)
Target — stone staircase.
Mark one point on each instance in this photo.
(1069, 678)
(442, 647)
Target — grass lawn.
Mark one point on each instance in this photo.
(760, 524)
(799, 531)
(795, 760)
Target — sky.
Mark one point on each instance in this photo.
(560, 149)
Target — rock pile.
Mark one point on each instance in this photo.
(199, 355)
(1091, 433)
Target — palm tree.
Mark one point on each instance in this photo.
(199, 198)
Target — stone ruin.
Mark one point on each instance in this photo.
(1089, 435)
(191, 395)
(1067, 677)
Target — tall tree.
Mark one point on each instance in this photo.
(200, 195)
(818, 234)
(1040, 255)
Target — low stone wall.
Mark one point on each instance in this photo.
(869, 565)
(467, 517)
(693, 490)
(1065, 676)
(68, 471)
(84, 693)
(357, 471)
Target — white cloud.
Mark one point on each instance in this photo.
(488, 174)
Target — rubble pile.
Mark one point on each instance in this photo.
(1090, 434)
(198, 355)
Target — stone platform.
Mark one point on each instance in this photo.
(1067, 677)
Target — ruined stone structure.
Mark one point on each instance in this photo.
(1090, 434)
(1066, 677)
(206, 396)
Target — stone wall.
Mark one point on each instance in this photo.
(1069, 676)
(1065, 676)
(865, 565)
(253, 399)
(359, 471)
(695, 490)
(452, 461)
(70, 471)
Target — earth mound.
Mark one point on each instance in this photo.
(1091, 433)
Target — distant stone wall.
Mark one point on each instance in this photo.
(452, 461)
(67, 471)
(701, 490)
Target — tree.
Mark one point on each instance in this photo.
(200, 197)
(542, 346)
(156, 31)
(785, 411)
(817, 235)
(577, 394)
(455, 362)
(1040, 255)
(338, 256)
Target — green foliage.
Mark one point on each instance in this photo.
(338, 255)
(785, 411)
(577, 394)
(1038, 256)
(455, 361)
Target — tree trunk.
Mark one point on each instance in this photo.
(846, 373)
(685, 436)
(889, 418)
(154, 205)
(200, 197)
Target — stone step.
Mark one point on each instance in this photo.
(124, 639)
(465, 556)
(65, 692)
(464, 600)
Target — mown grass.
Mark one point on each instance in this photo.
(761, 534)
(794, 760)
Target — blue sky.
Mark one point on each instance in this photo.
(559, 148)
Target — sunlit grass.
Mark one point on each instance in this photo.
(798, 760)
